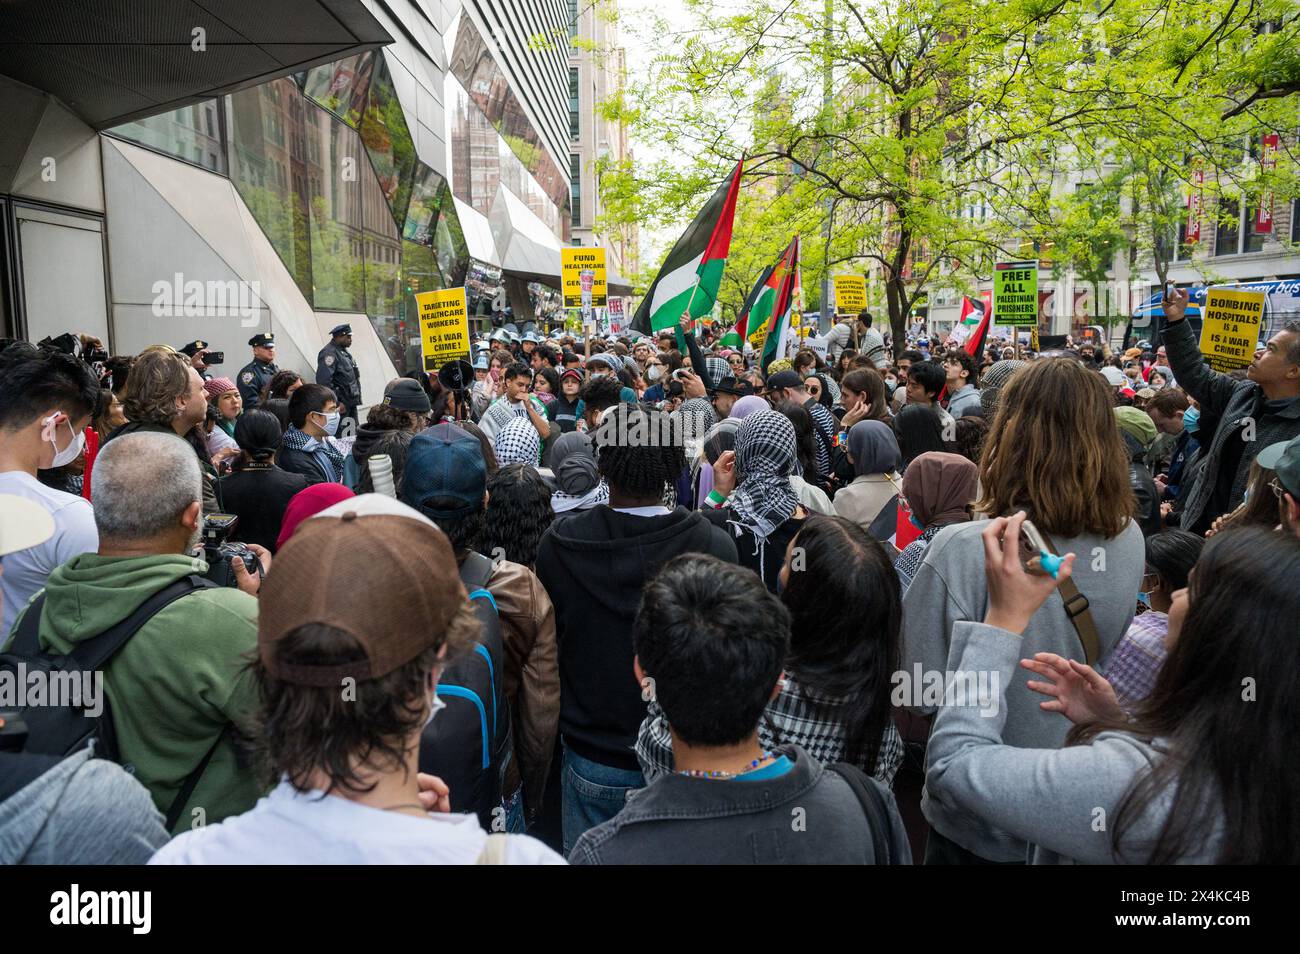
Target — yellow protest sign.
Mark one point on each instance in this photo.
(850, 294)
(582, 271)
(444, 326)
(1230, 327)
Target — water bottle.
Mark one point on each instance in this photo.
(381, 475)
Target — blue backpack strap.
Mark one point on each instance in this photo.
(485, 595)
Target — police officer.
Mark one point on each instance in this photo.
(257, 374)
(197, 352)
(337, 370)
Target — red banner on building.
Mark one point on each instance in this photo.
(1267, 162)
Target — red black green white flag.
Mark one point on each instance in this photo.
(692, 272)
(784, 299)
(739, 334)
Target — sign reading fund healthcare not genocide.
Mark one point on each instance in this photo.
(444, 326)
(574, 260)
(850, 294)
(1230, 327)
(1015, 294)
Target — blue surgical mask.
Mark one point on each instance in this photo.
(1145, 598)
(331, 425)
(1192, 420)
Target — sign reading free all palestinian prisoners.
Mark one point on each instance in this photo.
(444, 326)
(1015, 294)
(1230, 327)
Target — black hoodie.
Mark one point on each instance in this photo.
(594, 565)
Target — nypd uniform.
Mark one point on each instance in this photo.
(337, 370)
(256, 375)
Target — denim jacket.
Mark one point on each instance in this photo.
(809, 815)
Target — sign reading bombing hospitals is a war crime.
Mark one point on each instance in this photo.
(1015, 294)
(1230, 327)
(444, 326)
(576, 259)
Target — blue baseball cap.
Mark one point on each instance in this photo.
(444, 462)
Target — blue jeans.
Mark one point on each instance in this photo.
(591, 793)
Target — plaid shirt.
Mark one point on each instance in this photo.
(795, 717)
(1136, 661)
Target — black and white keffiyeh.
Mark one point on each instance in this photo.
(518, 443)
(765, 459)
(694, 418)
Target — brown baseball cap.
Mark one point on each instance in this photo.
(387, 579)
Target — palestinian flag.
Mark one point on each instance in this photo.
(735, 338)
(759, 321)
(975, 316)
(783, 305)
(693, 269)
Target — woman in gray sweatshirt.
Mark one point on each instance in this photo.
(1168, 786)
(1054, 451)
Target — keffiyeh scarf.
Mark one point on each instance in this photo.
(518, 443)
(765, 459)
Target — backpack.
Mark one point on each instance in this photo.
(470, 743)
(873, 804)
(61, 730)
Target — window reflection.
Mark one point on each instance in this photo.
(337, 234)
(341, 87)
(191, 133)
(274, 171)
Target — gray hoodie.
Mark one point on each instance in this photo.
(950, 586)
(1062, 802)
(83, 811)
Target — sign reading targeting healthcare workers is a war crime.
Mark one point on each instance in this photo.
(444, 326)
(1230, 327)
(850, 294)
(1015, 294)
(574, 260)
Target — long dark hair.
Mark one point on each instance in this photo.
(847, 613)
(805, 444)
(1231, 746)
(919, 431)
(518, 513)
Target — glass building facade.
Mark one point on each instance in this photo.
(326, 162)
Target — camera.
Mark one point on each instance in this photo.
(214, 357)
(220, 554)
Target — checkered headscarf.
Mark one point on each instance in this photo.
(718, 371)
(518, 443)
(765, 459)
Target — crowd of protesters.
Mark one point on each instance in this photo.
(639, 599)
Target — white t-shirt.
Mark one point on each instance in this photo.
(25, 572)
(288, 827)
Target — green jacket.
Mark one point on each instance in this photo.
(176, 685)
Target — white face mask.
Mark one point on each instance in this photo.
(654, 372)
(331, 425)
(66, 456)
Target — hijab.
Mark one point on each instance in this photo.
(874, 448)
(939, 488)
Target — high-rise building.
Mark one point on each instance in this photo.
(321, 166)
(597, 74)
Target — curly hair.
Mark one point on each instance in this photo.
(156, 380)
(633, 463)
(518, 513)
(281, 382)
(385, 417)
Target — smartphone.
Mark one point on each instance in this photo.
(213, 357)
(1032, 544)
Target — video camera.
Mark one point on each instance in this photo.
(220, 554)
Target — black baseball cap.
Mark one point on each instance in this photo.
(784, 379)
